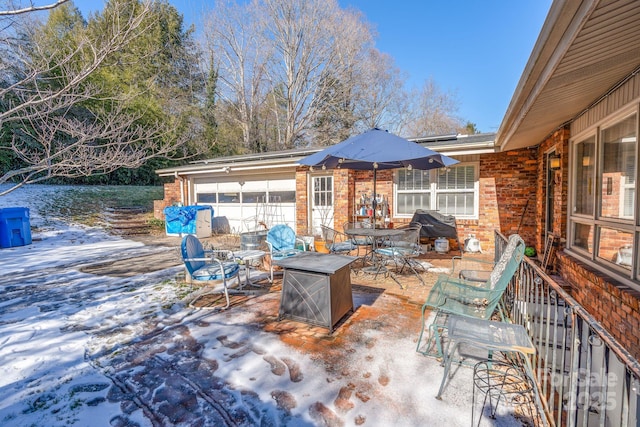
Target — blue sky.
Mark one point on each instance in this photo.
(473, 49)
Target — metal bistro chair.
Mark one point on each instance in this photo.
(452, 295)
(282, 241)
(403, 249)
(360, 242)
(208, 266)
(337, 242)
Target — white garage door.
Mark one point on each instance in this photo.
(245, 204)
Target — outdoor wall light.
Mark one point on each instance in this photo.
(554, 161)
(409, 167)
(324, 167)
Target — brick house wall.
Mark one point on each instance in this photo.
(301, 201)
(507, 187)
(171, 196)
(615, 306)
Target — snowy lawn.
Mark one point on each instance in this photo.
(90, 350)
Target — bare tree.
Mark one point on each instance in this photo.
(12, 10)
(63, 145)
(382, 100)
(433, 112)
(314, 43)
(41, 86)
(240, 58)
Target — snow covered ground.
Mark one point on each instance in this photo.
(90, 350)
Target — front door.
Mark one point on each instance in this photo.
(550, 196)
(321, 203)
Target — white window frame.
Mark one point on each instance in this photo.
(434, 191)
(596, 220)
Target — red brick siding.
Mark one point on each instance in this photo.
(171, 196)
(342, 200)
(302, 202)
(507, 187)
(614, 305)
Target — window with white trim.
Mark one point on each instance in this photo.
(603, 221)
(451, 191)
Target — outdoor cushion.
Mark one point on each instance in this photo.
(396, 251)
(212, 271)
(346, 246)
(284, 254)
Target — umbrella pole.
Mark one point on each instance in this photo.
(374, 203)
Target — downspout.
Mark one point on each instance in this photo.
(177, 176)
(189, 194)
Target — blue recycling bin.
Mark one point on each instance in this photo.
(15, 229)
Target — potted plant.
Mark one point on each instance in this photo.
(319, 239)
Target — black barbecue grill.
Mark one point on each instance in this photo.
(435, 224)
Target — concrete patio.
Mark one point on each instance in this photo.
(135, 355)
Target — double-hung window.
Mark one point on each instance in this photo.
(451, 191)
(603, 221)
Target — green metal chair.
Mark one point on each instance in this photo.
(453, 295)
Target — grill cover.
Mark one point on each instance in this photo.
(435, 225)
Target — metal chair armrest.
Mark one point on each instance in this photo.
(304, 243)
(460, 259)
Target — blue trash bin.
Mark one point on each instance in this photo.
(15, 229)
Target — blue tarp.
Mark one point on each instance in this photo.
(182, 219)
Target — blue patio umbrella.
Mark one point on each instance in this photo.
(375, 150)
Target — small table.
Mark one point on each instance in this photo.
(491, 336)
(247, 258)
(316, 288)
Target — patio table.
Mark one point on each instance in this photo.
(247, 259)
(376, 235)
(490, 336)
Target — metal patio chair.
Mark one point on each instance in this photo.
(282, 241)
(337, 242)
(213, 267)
(403, 249)
(452, 295)
(360, 242)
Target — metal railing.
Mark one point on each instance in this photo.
(585, 377)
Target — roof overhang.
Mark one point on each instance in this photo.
(224, 165)
(449, 145)
(585, 49)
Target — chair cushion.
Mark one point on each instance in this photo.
(342, 247)
(212, 271)
(395, 251)
(285, 254)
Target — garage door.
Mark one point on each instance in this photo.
(246, 205)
